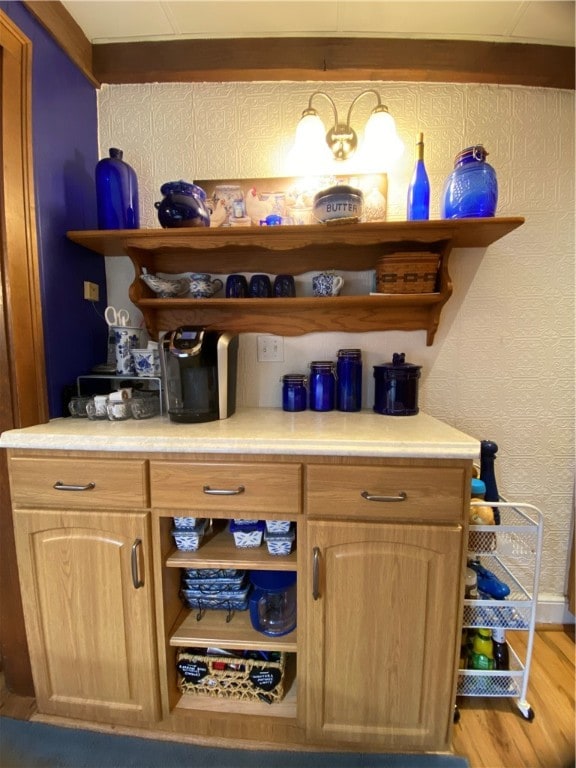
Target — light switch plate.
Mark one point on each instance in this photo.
(270, 349)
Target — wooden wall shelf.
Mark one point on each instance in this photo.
(294, 250)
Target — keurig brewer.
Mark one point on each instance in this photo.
(199, 372)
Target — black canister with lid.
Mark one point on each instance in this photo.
(396, 387)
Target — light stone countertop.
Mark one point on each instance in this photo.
(258, 431)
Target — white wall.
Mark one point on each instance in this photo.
(502, 365)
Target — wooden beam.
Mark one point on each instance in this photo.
(54, 17)
(335, 59)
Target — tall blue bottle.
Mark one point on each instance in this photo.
(418, 207)
(116, 193)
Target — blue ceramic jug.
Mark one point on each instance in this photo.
(184, 205)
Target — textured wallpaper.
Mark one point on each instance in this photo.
(502, 365)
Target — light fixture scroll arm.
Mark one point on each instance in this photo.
(311, 111)
(357, 98)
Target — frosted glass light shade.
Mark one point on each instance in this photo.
(310, 153)
(382, 146)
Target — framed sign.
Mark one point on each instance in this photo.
(249, 202)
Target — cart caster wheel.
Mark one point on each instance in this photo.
(456, 714)
(526, 711)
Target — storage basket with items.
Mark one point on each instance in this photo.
(407, 272)
(231, 674)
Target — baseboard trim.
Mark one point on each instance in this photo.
(552, 609)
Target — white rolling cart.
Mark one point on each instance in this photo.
(512, 552)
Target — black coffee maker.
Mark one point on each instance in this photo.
(199, 369)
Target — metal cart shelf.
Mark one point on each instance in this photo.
(512, 551)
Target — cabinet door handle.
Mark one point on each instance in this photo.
(402, 496)
(60, 486)
(135, 575)
(223, 491)
(316, 573)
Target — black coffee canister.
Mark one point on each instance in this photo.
(396, 387)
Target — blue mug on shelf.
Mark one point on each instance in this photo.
(284, 286)
(260, 287)
(236, 287)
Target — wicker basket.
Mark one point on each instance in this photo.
(215, 676)
(407, 273)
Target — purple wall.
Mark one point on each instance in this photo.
(65, 146)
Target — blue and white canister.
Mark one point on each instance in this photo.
(126, 339)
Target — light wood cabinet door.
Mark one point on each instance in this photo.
(381, 633)
(87, 590)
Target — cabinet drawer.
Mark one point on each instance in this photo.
(426, 493)
(92, 482)
(227, 489)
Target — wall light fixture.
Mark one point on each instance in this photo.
(381, 144)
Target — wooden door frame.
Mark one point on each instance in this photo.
(23, 396)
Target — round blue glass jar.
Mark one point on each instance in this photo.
(471, 190)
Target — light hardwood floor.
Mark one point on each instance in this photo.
(491, 732)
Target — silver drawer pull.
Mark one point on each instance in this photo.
(135, 575)
(402, 496)
(59, 486)
(223, 491)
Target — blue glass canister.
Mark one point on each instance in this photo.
(349, 380)
(116, 193)
(322, 385)
(471, 190)
(294, 392)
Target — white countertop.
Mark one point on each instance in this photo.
(258, 431)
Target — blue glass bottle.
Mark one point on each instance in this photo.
(116, 193)
(322, 386)
(349, 380)
(471, 190)
(418, 207)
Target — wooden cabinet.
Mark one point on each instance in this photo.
(294, 250)
(381, 605)
(87, 590)
(378, 553)
(381, 633)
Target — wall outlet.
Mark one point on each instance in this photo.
(270, 349)
(91, 291)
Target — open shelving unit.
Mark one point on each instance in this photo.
(294, 250)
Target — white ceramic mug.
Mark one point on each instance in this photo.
(327, 284)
